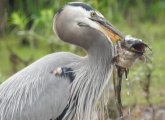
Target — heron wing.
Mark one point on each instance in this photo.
(34, 93)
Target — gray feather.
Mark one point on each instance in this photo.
(34, 93)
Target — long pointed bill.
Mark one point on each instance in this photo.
(109, 29)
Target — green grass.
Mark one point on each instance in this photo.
(153, 34)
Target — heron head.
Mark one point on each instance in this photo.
(77, 20)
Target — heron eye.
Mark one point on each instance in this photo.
(93, 14)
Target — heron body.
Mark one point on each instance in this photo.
(35, 93)
(41, 91)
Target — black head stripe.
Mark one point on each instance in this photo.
(85, 6)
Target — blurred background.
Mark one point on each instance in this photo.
(26, 35)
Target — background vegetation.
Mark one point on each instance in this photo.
(26, 35)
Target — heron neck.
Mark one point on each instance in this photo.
(92, 75)
(101, 52)
(99, 61)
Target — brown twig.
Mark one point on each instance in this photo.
(117, 87)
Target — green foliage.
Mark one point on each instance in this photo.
(156, 11)
(19, 20)
(1, 78)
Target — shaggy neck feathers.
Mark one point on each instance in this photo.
(92, 75)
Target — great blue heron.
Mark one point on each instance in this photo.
(36, 93)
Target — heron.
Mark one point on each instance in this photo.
(62, 85)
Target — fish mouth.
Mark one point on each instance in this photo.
(139, 48)
(134, 45)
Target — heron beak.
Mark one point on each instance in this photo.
(109, 29)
